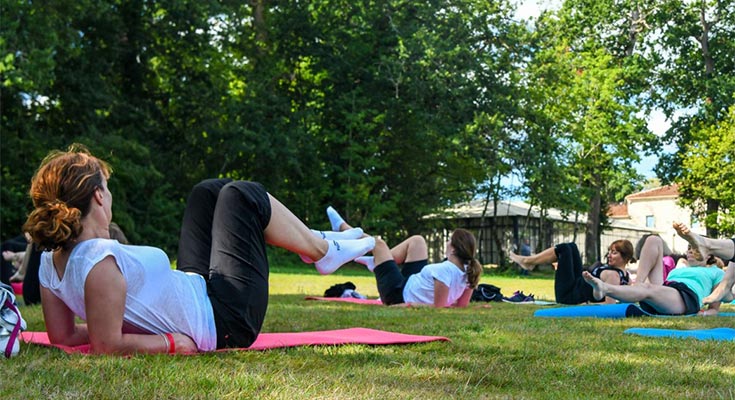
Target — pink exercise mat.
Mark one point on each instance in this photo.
(267, 341)
(17, 288)
(346, 300)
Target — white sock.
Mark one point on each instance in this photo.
(342, 251)
(349, 234)
(334, 218)
(353, 233)
(368, 261)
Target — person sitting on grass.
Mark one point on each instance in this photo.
(681, 294)
(130, 298)
(416, 282)
(722, 248)
(569, 287)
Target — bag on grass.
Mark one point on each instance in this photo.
(486, 292)
(11, 323)
(338, 289)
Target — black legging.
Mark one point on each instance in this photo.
(569, 286)
(223, 239)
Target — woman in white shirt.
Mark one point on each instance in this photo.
(446, 284)
(405, 277)
(130, 298)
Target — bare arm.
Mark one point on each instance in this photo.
(105, 291)
(441, 294)
(59, 321)
(464, 300)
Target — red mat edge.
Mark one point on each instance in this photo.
(346, 300)
(275, 340)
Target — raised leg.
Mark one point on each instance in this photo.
(289, 232)
(651, 264)
(547, 256)
(664, 299)
(412, 249)
(723, 248)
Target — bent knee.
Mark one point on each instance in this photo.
(417, 241)
(380, 244)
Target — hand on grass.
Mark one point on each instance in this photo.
(184, 344)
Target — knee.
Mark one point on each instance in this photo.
(380, 244)
(655, 240)
(208, 187)
(417, 241)
(564, 248)
(249, 191)
(381, 249)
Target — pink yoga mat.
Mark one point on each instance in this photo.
(346, 300)
(267, 341)
(17, 288)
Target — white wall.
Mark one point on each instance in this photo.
(665, 211)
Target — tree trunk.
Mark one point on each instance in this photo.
(592, 234)
(713, 206)
(261, 33)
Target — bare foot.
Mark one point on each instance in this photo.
(520, 261)
(694, 240)
(8, 255)
(723, 291)
(599, 288)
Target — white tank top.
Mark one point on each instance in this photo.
(158, 299)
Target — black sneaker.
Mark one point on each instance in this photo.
(519, 297)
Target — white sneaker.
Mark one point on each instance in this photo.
(11, 322)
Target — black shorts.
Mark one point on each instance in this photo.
(691, 300)
(391, 279)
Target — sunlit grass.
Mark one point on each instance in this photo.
(497, 350)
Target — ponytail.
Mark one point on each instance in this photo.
(474, 270)
(465, 246)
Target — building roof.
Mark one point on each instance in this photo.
(474, 208)
(668, 191)
(618, 210)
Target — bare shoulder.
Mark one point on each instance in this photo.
(610, 276)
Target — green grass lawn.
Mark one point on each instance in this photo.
(498, 351)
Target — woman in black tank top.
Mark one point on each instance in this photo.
(569, 286)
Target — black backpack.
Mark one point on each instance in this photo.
(486, 292)
(338, 289)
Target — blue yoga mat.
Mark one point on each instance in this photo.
(621, 310)
(701, 334)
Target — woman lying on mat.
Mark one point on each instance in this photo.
(655, 259)
(722, 248)
(681, 294)
(130, 298)
(416, 282)
(569, 287)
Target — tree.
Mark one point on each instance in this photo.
(696, 54)
(709, 173)
(583, 77)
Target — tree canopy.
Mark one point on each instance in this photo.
(387, 110)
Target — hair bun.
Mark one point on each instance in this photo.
(54, 224)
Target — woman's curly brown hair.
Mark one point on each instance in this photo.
(61, 190)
